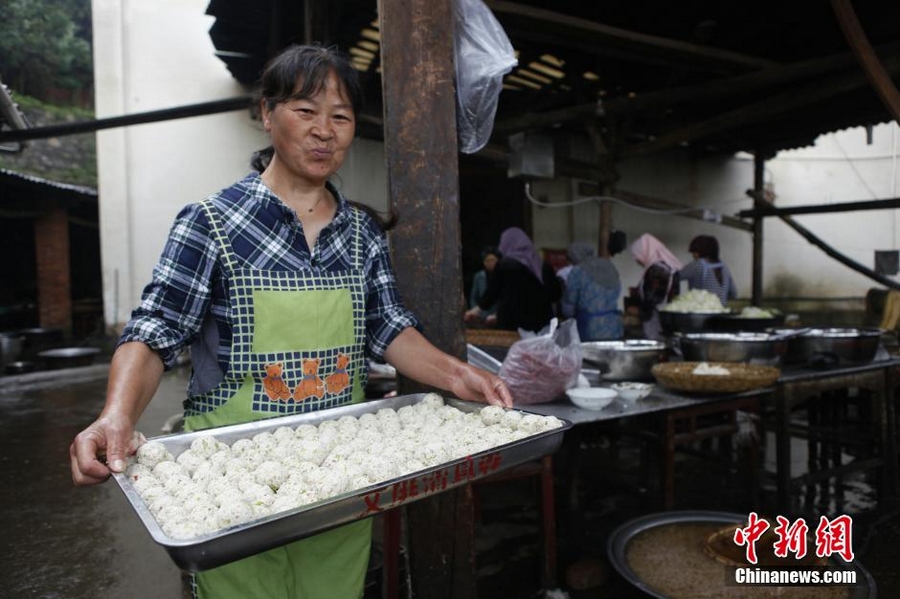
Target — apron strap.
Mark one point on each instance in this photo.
(218, 232)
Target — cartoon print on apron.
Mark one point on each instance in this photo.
(297, 347)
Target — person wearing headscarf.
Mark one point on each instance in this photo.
(523, 287)
(707, 271)
(659, 281)
(489, 258)
(592, 293)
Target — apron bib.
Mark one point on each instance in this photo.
(298, 347)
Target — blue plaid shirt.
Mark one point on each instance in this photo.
(187, 299)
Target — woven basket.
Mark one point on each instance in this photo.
(679, 376)
(491, 337)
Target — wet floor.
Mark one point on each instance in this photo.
(83, 543)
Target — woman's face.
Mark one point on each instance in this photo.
(311, 136)
(490, 261)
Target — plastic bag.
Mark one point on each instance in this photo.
(539, 368)
(483, 55)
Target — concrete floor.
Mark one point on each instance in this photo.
(83, 543)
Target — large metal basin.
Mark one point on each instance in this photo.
(752, 348)
(628, 360)
(688, 322)
(831, 347)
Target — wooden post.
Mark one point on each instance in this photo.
(759, 193)
(423, 186)
(51, 240)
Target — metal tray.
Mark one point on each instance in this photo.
(617, 548)
(236, 542)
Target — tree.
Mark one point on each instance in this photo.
(45, 44)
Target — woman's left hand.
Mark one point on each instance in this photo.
(474, 384)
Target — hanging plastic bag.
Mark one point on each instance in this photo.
(483, 56)
(540, 367)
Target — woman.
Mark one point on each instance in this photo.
(592, 294)
(278, 269)
(489, 258)
(523, 287)
(659, 281)
(707, 272)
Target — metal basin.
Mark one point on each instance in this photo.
(736, 323)
(831, 347)
(688, 322)
(10, 347)
(752, 348)
(69, 357)
(628, 360)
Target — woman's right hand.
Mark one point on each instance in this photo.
(102, 448)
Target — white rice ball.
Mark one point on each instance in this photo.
(190, 460)
(218, 485)
(234, 512)
(239, 447)
(531, 423)
(204, 446)
(511, 419)
(307, 430)
(135, 471)
(145, 482)
(152, 453)
(271, 473)
(491, 415)
(174, 482)
(432, 400)
(283, 433)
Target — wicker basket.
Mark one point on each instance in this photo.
(679, 376)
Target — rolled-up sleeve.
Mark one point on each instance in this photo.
(174, 303)
(386, 317)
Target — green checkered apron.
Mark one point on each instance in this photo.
(297, 347)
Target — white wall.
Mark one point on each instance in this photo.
(840, 167)
(154, 55)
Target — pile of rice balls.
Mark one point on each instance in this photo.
(212, 486)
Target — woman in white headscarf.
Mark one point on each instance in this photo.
(659, 281)
(592, 294)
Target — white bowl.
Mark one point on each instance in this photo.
(633, 391)
(591, 398)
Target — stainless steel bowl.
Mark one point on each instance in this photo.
(628, 360)
(688, 322)
(69, 357)
(752, 348)
(830, 347)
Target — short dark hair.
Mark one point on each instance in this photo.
(705, 246)
(308, 66)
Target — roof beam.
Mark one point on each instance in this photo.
(757, 111)
(538, 24)
(859, 43)
(720, 88)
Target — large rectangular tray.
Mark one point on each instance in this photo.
(236, 542)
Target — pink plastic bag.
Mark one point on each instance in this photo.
(539, 368)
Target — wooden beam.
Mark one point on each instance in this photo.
(543, 25)
(770, 210)
(667, 98)
(423, 186)
(756, 112)
(868, 59)
(759, 173)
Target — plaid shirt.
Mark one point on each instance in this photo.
(187, 298)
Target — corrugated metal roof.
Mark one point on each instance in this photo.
(77, 189)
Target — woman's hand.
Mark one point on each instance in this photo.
(415, 357)
(472, 315)
(101, 449)
(474, 384)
